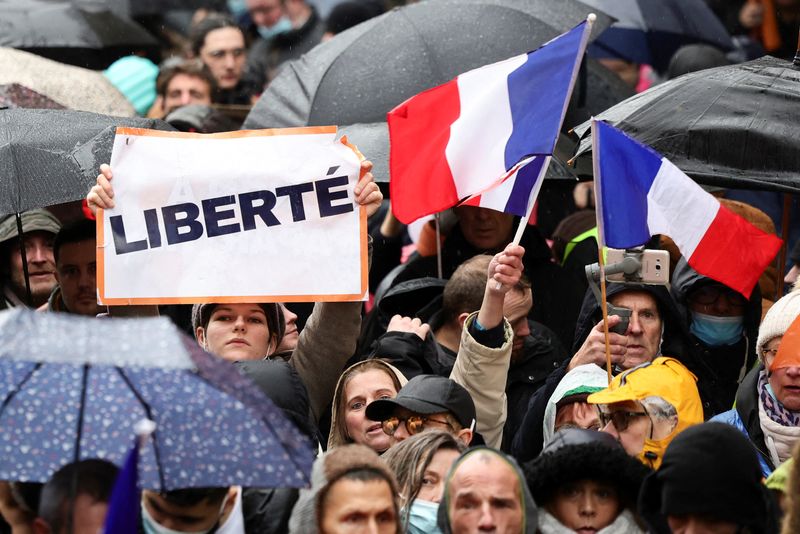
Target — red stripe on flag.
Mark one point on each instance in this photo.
(419, 129)
(734, 252)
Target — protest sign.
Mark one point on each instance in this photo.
(249, 216)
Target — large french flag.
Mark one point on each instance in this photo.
(464, 137)
(640, 194)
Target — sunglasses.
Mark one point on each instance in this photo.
(621, 420)
(414, 424)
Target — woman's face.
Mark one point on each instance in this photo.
(585, 506)
(360, 390)
(236, 332)
(785, 382)
(433, 479)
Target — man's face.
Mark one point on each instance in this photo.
(485, 496)
(41, 266)
(644, 331)
(585, 506)
(224, 54)
(89, 516)
(629, 423)
(199, 517)
(353, 506)
(265, 12)
(485, 229)
(184, 89)
(516, 307)
(437, 421)
(76, 273)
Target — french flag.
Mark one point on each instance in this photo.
(640, 194)
(462, 138)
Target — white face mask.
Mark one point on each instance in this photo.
(422, 517)
(152, 527)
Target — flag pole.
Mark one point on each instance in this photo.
(438, 245)
(598, 206)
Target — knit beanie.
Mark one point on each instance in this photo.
(135, 77)
(329, 468)
(778, 319)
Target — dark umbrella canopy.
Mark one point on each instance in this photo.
(732, 126)
(82, 33)
(364, 72)
(53, 156)
(14, 95)
(650, 31)
(74, 387)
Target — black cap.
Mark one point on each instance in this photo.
(425, 395)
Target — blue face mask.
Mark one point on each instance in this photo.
(716, 331)
(237, 8)
(282, 26)
(422, 517)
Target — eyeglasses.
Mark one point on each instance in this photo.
(414, 424)
(621, 420)
(771, 353)
(710, 294)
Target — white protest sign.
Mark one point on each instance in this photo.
(249, 216)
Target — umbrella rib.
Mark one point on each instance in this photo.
(148, 411)
(18, 387)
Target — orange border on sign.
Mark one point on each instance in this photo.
(347, 297)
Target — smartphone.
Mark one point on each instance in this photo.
(654, 267)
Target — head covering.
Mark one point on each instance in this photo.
(711, 470)
(338, 435)
(664, 378)
(329, 468)
(576, 386)
(778, 319)
(201, 313)
(425, 395)
(135, 77)
(38, 220)
(529, 511)
(576, 454)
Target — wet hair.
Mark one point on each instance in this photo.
(464, 291)
(73, 232)
(214, 21)
(94, 478)
(189, 67)
(410, 459)
(193, 496)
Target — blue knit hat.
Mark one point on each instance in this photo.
(135, 77)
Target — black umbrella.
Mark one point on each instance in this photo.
(80, 32)
(364, 72)
(732, 126)
(650, 31)
(53, 156)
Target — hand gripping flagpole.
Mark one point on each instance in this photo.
(598, 206)
(523, 222)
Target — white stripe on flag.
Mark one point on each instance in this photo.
(679, 208)
(477, 145)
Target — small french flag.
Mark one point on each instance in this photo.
(640, 194)
(466, 136)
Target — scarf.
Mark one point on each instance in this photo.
(773, 407)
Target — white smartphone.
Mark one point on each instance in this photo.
(654, 266)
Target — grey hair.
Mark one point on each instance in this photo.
(659, 409)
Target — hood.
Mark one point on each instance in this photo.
(590, 314)
(583, 379)
(32, 221)
(338, 435)
(412, 298)
(530, 517)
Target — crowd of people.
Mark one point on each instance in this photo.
(478, 389)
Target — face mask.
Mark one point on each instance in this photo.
(422, 517)
(716, 331)
(282, 26)
(151, 527)
(237, 8)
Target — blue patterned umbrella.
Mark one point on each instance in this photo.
(73, 388)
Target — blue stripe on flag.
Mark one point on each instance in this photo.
(523, 185)
(537, 91)
(627, 170)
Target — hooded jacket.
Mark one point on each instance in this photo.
(719, 370)
(530, 519)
